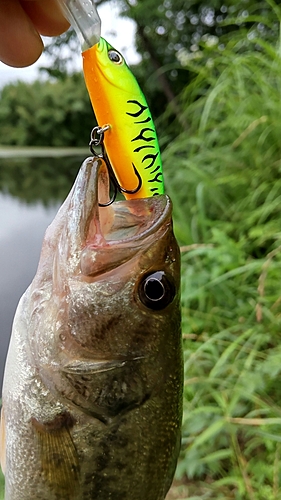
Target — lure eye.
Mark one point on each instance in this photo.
(156, 290)
(115, 57)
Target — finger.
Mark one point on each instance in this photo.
(46, 16)
(20, 43)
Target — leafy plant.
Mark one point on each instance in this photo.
(1, 486)
(47, 180)
(224, 178)
(46, 113)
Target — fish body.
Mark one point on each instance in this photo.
(92, 394)
(131, 141)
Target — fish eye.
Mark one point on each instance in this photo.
(156, 290)
(115, 57)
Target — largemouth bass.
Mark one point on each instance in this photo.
(92, 394)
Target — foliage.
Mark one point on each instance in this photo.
(1, 486)
(168, 35)
(224, 178)
(165, 31)
(46, 180)
(46, 113)
(165, 28)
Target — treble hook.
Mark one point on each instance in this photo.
(114, 179)
(112, 199)
(132, 191)
(96, 139)
(97, 136)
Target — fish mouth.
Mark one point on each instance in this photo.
(109, 236)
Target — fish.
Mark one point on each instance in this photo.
(131, 142)
(92, 391)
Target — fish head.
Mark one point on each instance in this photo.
(106, 293)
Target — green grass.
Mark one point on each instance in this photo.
(224, 178)
(1, 486)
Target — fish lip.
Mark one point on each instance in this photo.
(102, 253)
(112, 235)
(160, 206)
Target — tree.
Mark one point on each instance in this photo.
(46, 113)
(166, 28)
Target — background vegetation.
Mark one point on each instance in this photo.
(222, 160)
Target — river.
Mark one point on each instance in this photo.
(22, 228)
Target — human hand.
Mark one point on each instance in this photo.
(21, 24)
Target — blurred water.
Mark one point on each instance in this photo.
(22, 228)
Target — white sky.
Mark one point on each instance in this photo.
(118, 31)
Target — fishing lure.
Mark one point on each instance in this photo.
(130, 142)
(128, 133)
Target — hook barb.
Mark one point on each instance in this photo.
(132, 191)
